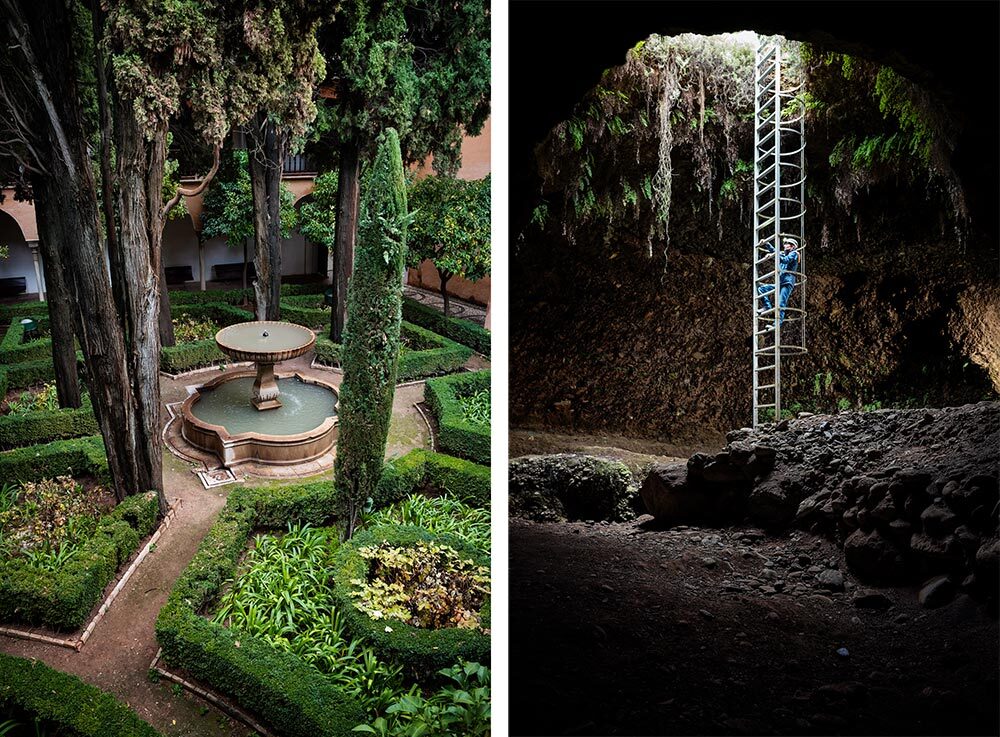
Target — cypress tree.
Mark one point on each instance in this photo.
(371, 337)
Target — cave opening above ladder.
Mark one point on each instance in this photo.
(778, 217)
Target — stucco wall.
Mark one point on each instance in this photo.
(19, 262)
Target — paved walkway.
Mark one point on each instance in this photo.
(118, 655)
(456, 307)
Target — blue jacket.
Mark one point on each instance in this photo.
(788, 263)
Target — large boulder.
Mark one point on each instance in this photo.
(874, 558)
(680, 494)
(566, 487)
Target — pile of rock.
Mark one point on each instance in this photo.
(910, 493)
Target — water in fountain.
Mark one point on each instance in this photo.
(303, 407)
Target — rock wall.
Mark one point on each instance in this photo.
(631, 348)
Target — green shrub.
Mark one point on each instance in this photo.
(60, 699)
(442, 356)
(276, 685)
(456, 434)
(27, 373)
(434, 473)
(63, 598)
(42, 426)
(77, 457)
(421, 652)
(465, 332)
(306, 310)
(220, 313)
(186, 356)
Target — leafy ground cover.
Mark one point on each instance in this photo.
(45, 522)
(476, 407)
(188, 328)
(33, 399)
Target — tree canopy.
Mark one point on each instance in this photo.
(318, 213)
(451, 225)
(227, 209)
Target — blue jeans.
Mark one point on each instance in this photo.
(783, 295)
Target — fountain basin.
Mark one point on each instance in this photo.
(216, 418)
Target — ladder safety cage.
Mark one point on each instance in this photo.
(779, 216)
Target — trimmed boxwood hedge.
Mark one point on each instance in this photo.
(286, 692)
(422, 652)
(442, 355)
(239, 296)
(307, 310)
(12, 350)
(465, 332)
(425, 471)
(62, 599)
(218, 312)
(77, 457)
(65, 700)
(456, 435)
(186, 356)
(46, 425)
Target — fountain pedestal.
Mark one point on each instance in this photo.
(265, 388)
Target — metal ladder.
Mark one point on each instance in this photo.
(778, 214)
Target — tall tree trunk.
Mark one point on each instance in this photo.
(43, 31)
(60, 312)
(348, 196)
(445, 277)
(141, 158)
(107, 188)
(267, 146)
(166, 323)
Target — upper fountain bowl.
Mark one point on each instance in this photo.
(265, 341)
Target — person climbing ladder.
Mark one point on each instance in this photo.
(789, 265)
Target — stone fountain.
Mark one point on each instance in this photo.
(256, 415)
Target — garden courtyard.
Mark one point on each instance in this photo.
(275, 587)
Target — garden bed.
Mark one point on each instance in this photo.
(79, 457)
(461, 410)
(429, 354)
(61, 543)
(279, 675)
(49, 702)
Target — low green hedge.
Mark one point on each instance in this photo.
(239, 296)
(27, 373)
(41, 427)
(314, 318)
(440, 356)
(12, 350)
(220, 313)
(422, 652)
(290, 695)
(465, 332)
(62, 599)
(433, 473)
(64, 700)
(186, 356)
(456, 435)
(77, 457)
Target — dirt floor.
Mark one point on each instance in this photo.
(624, 628)
(118, 654)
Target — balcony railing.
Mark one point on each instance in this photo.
(298, 164)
